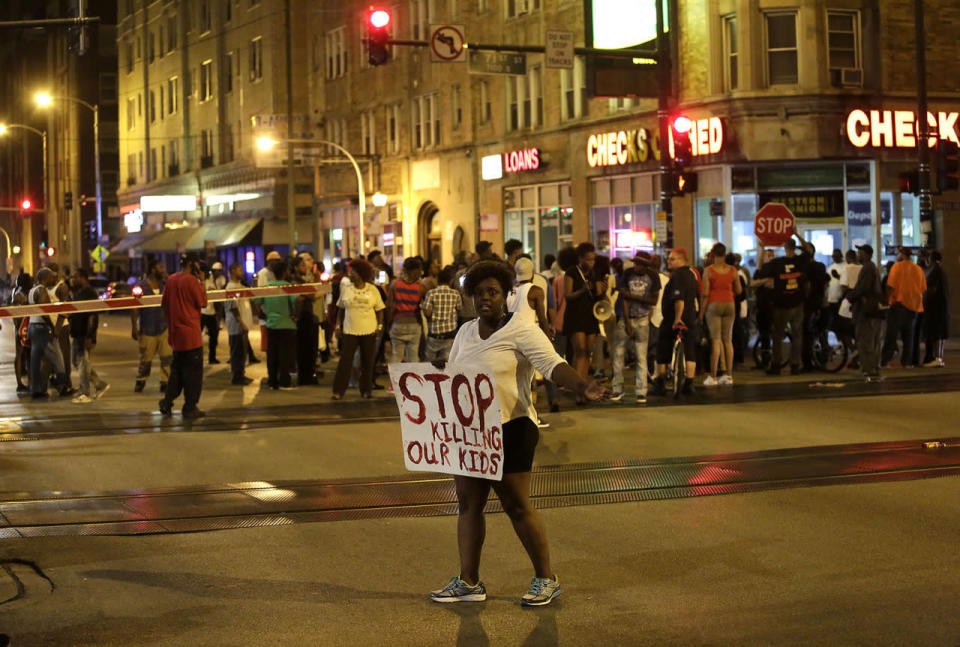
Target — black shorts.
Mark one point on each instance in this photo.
(520, 437)
(668, 336)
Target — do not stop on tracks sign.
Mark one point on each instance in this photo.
(774, 224)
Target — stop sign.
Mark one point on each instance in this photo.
(774, 224)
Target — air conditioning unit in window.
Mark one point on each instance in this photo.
(846, 77)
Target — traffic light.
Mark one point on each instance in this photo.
(83, 199)
(680, 130)
(909, 182)
(51, 252)
(68, 200)
(948, 166)
(378, 23)
(26, 205)
(681, 183)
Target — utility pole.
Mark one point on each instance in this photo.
(923, 144)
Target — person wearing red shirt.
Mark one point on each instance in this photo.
(183, 298)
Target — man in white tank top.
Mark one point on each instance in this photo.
(43, 345)
(527, 300)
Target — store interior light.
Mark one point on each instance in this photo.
(266, 143)
(16, 249)
(627, 217)
(379, 199)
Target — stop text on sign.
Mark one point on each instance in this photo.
(773, 225)
(898, 128)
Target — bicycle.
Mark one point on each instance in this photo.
(763, 352)
(828, 350)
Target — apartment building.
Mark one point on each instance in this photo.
(796, 101)
(195, 78)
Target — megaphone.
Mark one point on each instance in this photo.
(602, 310)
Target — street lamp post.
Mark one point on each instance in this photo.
(44, 100)
(267, 143)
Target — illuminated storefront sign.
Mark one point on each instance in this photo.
(133, 221)
(637, 146)
(897, 128)
(153, 203)
(491, 167)
(522, 160)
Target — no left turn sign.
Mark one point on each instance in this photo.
(447, 43)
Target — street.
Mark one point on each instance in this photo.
(286, 517)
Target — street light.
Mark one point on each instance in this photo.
(268, 143)
(43, 100)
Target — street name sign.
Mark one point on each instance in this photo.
(497, 63)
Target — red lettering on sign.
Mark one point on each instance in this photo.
(459, 381)
(445, 454)
(402, 383)
(483, 401)
(522, 160)
(437, 378)
(410, 447)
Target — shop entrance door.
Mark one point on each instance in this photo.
(825, 239)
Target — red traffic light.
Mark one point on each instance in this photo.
(26, 205)
(51, 252)
(379, 19)
(682, 125)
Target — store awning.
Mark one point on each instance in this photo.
(277, 231)
(130, 241)
(224, 233)
(169, 239)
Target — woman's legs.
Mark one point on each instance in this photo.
(348, 346)
(716, 346)
(368, 353)
(726, 334)
(514, 494)
(472, 496)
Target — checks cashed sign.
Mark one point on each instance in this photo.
(449, 419)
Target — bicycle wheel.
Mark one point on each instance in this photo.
(678, 364)
(829, 352)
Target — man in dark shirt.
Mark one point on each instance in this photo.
(679, 307)
(83, 337)
(868, 314)
(183, 298)
(814, 306)
(148, 327)
(787, 276)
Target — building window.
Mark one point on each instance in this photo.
(525, 100)
(227, 143)
(174, 168)
(108, 88)
(573, 90)
(419, 19)
(131, 114)
(140, 163)
(227, 71)
(171, 33)
(151, 48)
(486, 109)
(483, 5)
(204, 16)
(152, 168)
(131, 169)
(521, 7)
(336, 53)
(619, 104)
(172, 92)
(843, 41)
(161, 93)
(426, 122)
(151, 107)
(227, 10)
(139, 105)
(336, 131)
(456, 108)
(256, 59)
(129, 56)
(782, 48)
(206, 81)
(161, 42)
(730, 53)
(206, 148)
(368, 132)
(393, 128)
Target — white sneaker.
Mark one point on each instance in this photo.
(82, 399)
(725, 380)
(935, 363)
(710, 381)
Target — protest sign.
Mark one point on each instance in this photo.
(449, 419)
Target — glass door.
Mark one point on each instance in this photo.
(825, 239)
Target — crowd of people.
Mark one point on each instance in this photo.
(600, 314)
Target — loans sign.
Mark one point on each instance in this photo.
(449, 419)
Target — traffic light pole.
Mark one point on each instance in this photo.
(923, 144)
(663, 121)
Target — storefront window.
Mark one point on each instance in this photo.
(622, 231)
(709, 228)
(545, 223)
(744, 242)
(910, 220)
(861, 224)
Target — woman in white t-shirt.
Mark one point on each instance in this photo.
(360, 316)
(511, 348)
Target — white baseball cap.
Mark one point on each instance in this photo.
(524, 269)
(217, 266)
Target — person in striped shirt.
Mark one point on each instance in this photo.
(404, 307)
